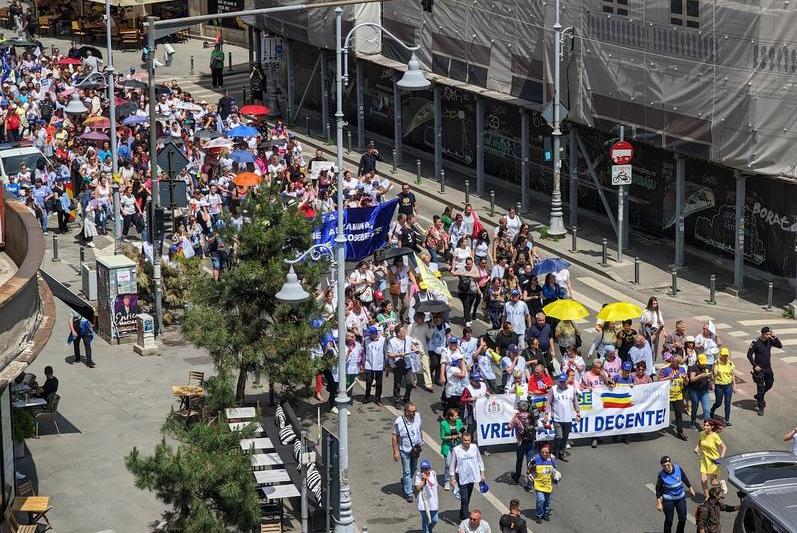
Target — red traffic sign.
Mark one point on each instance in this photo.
(621, 153)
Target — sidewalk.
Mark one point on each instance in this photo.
(655, 254)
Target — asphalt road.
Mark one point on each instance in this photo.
(609, 487)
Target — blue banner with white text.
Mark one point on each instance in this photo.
(366, 229)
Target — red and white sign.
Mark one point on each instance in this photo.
(621, 153)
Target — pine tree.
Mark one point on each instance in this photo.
(238, 320)
(203, 477)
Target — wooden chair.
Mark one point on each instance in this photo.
(77, 31)
(192, 413)
(44, 25)
(271, 527)
(25, 489)
(49, 412)
(195, 376)
(16, 527)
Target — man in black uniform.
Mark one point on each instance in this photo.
(368, 160)
(760, 356)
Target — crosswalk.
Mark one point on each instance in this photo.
(201, 89)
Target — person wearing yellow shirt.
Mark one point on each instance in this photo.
(709, 449)
(724, 384)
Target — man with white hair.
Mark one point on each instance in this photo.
(91, 63)
(708, 343)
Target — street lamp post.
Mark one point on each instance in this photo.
(556, 226)
(117, 215)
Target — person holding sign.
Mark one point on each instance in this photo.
(543, 470)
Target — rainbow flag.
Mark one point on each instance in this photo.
(616, 400)
(537, 402)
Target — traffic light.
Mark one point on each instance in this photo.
(427, 5)
(156, 228)
(547, 149)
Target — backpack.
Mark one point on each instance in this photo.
(530, 428)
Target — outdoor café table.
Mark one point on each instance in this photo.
(278, 492)
(261, 460)
(31, 402)
(240, 414)
(186, 392)
(238, 426)
(36, 507)
(267, 477)
(261, 443)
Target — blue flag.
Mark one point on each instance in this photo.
(6, 69)
(366, 229)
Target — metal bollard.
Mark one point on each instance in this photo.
(636, 270)
(229, 63)
(348, 135)
(55, 248)
(712, 289)
(393, 171)
(418, 172)
(518, 208)
(191, 70)
(329, 138)
(442, 181)
(574, 242)
(467, 192)
(307, 124)
(674, 274)
(492, 203)
(604, 252)
(82, 255)
(770, 287)
(243, 93)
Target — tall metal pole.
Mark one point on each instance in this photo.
(359, 88)
(111, 97)
(620, 211)
(345, 522)
(524, 163)
(153, 169)
(397, 119)
(680, 193)
(556, 226)
(479, 145)
(573, 151)
(438, 130)
(738, 256)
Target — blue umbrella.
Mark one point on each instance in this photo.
(242, 156)
(546, 266)
(243, 131)
(132, 120)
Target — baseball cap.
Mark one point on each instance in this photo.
(627, 366)
(725, 351)
(372, 330)
(453, 340)
(702, 359)
(423, 285)
(515, 292)
(426, 463)
(512, 348)
(665, 459)
(562, 377)
(475, 375)
(610, 348)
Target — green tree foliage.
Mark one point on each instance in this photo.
(203, 477)
(238, 320)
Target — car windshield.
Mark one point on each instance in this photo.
(12, 163)
(759, 474)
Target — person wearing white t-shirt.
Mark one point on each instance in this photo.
(214, 203)
(467, 469)
(516, 312)
(407, 434)
(562, 278)
(791, 435)
(513, 223)
(426, 487)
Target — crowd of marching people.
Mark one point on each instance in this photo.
(399, 303)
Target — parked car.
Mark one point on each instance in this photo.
(767, 486)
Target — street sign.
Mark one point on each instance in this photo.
(171, 159)
(547, 113)
(622, 153)
(273, 49)
(621, 174)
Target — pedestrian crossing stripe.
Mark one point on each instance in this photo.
(792, 359)
(788, 342)
(788, 331)
(608, 291)
(722, 325)
(737, 334)
(704, 318)
(767, 322)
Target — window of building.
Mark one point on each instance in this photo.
(685, 13)
(616, 7)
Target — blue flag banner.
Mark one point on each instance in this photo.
(366, 229)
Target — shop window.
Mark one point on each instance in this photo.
(685, 13)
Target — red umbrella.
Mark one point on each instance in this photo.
(68, 61)
(118, 100)
(254, 109)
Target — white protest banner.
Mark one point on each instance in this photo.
(604, 412)
(623, 409)
(318, 166)
(493, 415)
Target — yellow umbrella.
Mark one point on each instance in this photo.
(619, 311)
(566, 310)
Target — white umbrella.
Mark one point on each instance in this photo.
(219, 142)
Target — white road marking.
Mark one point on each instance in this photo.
(789, 342)
(722, 325)
(738, 334)
(431, 443)
(704, 318)
(608, 291)
(788, 331)
(778, 350)
(767, 322)
(652, 488)
(792, 359)
(589, 303)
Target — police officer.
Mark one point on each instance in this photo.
(368, 160)
(760, 356)
(671, 485)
